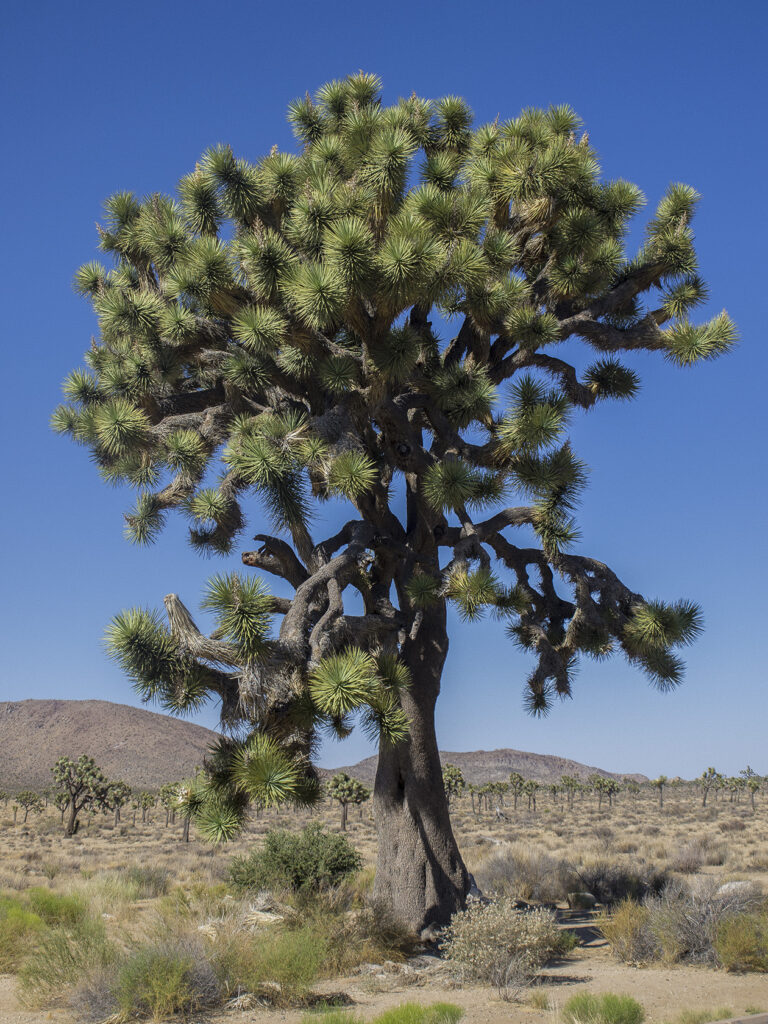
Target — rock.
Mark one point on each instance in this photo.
(581, 900)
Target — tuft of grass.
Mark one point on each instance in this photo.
(281, 970)
(165, 979)
(609, 1008)
(146, 881)
(539, 1000)
(703, 1016)
(405, 1013)
(62, 956)
(19, 926)
(57, 908)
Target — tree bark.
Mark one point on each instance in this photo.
(72, 821)
(419, 871)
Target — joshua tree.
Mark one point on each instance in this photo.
(530, 789)
(753, 785)
(659, 784)
(118, 794)
(346, 791)
(708, 778)
(293, 317)
(29, 801)
(610, 787)
(570, 786)
(453, 781)
(169, 800)
(61, 803)
(84, 785)
(516, 783)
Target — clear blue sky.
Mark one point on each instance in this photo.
(99, 97)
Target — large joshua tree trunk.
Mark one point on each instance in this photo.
(419, 871)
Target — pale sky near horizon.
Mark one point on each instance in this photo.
(100, 98)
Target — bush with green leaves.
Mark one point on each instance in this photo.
(298, 861)
(495, 944)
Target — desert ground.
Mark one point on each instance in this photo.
(727, 840)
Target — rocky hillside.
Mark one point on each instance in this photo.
(141, 747)
(147, 749)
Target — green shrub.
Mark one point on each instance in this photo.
(56, 908)
(18, 928)
(496, 944)
(628, 932)
(742, 943)
(309, 860)
(586, 1008)
(165, 979)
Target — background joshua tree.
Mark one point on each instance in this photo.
(346, 791)
(84, 785)
(377, 321)
(709, 777)
(117, 796)
(29, 801)
(659, 784)
(453, 781)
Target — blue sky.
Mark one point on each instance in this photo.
(101, 97)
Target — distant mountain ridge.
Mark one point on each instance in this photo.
(480, 766)
(141, 747)
(147, 749)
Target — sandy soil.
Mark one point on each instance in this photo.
(663, 992)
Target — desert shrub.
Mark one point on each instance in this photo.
(523, 872)
(147, 882)
(611, 882)
(741, 943)
(165, 979)
(608, 1008)
(694, 855)
(628, 932)
(367, 933)
(496, 944)
(18, 928)
(62, 956)
(732, 826)
(282, 969)
(686, 918)
(56, 908)
(309, 860)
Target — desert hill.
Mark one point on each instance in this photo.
(147, 749)
(141, 747)
(479, 766)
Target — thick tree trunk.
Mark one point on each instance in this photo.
(72, 821)
(419, 872)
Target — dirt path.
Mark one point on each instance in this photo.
(664, 992)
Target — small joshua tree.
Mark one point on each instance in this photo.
(530, 789)
(284, 320)
(516, 784)
(346, 791)
(117, 796)
(453, 781)
(659, 784)
(29, 801)
(709, 777)
(83, 783)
